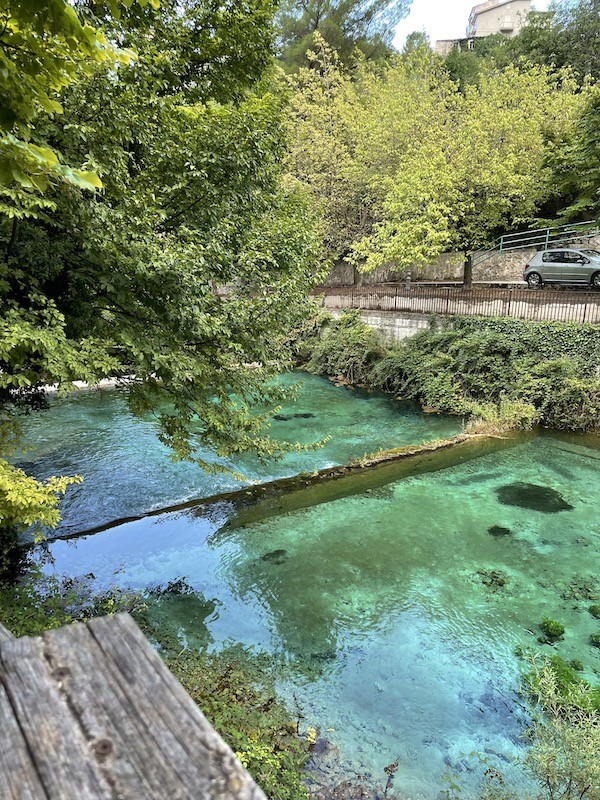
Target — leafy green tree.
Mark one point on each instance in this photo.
(43, 47)
(576, 163)
(351, 131)
(346, 25)
(479, 168)
(124, 281)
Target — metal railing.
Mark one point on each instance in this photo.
(540, 238)
(528, 304)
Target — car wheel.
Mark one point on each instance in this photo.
(596, 280)
(534, 280)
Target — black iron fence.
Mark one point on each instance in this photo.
(529, 304)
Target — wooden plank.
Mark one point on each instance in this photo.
(119, 736)
(5, 633)
(56, 744)
(203, 763)
(18, 777)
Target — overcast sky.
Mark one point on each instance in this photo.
(441, 19)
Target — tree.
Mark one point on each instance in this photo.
(478, 169)
(351, 130)
(576, 163)
(43, 46)
(125, 280)
(346, 25)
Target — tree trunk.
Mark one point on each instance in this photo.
(467, 271)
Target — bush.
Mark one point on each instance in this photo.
(499, 373)
(564, 735)
(347, 348)
(552, 630)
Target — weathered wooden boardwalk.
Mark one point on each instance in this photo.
(90, 711)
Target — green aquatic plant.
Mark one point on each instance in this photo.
(37, 602)
(552, 630)
(595, 639)
(564, 738)
(595, 610)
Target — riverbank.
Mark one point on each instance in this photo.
(499, 374)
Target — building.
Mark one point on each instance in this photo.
(485, 19)
(498, 16)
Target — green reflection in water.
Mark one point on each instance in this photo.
(128, 471)
(395, 611)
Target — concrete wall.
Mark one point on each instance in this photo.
(504, 267)
(393, 326)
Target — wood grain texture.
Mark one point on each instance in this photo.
(5, 633)
(55, 742)
(91, 711)
(18, 777)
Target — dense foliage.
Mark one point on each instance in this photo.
(236, 693)
(348, 26)
(189, 140)
(405, 164)
(496, 372)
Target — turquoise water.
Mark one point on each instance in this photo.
(128, 471)
(394, 613)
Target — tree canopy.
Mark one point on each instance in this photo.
(124, 280)
(406, 164)
(345, 25)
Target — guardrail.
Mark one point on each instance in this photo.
(529, 304)
(540, 238)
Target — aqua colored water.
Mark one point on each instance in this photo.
(128, 471)
(395, 613)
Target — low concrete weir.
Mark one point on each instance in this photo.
(302, 491)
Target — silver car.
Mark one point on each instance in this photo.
(565, 265)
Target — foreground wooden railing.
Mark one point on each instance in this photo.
(528, 304)
(90, 712)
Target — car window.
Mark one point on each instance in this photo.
(571, 257)
(591, 253)
(553, 255)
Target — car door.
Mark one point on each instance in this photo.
(553, 266)
(574, 267)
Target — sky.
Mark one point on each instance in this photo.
(441, 19)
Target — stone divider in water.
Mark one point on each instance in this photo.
(283, 495)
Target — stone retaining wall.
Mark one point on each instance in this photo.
(504, 267)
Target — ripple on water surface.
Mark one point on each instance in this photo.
(397, 611)
(127, 471)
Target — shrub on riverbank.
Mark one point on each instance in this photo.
(496, 372)
(564, 735)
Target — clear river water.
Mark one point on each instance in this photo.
(394, 613)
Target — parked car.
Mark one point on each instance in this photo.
(567, 265)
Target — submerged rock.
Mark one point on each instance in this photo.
(529, 495)
(275, 556)
(499, 530)
(493, 579)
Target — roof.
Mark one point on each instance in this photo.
(488, 5)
